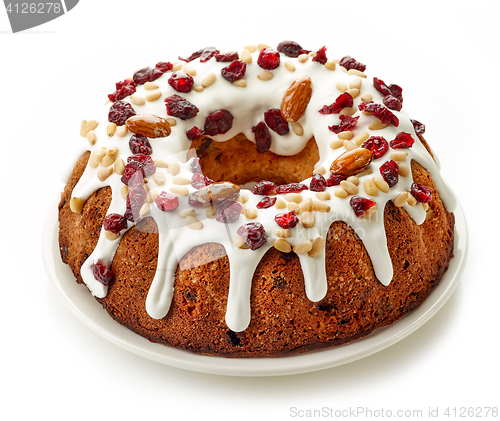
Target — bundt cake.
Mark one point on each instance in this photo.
(257, 203)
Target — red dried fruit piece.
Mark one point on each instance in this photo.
(164, 66)
(377, 145)
(381, 86)
(335, 179)
(320, 56)
(135, 200)
(343, 100)
(262, 137)
(420, 192)
(360, 205)
(236, 70)
(181, 82)
(218, 122)
(347, 122)
(265, 188)
(180, 107)
(402, 141)
(138, 163)
(167, 202)
(389, 172)
(397, 92)
(194, 133)
(228, 211)
(291, 49)
(392, 103)
(120, 112)
(268, 59)
(226, 57)
(204, 55)
(192, 201)
(349, 63)
(196, 166)
(287, 220)
(265, 203)
(102, 273)
(199, 180)
(139, 143)
(146, 75)
(276, 122)
(419, 127)
(380, 111)
(291, 188)
(114, 222)
(318, 183)
(123, 89)
(253, 234)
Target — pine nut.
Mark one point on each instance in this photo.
(302, 58)
(124, 192)
(108, 160)
(399, 155)
(425, 206)
(367, 97)
(104, 173)
(176, 67)
(145, 209)
(307, 219)
(119, 166)
(370, 187)
(318, 244)
(262, 46)
(137, 100)
(349, 187)
(293, 207)
(91, 137)
(303, 247)
(342, 87)
(404, 170)
(346, 135)
(321, 206)
(348, 145)
(323, 195)
(191, 71)
(183, 213)
(171, 121)
(174, 168)
(240, 243)
(210, 212)
(353, 92)
(111, 129)
(411, 200)
(208, 80)
(250, 213)
(246, 56)
(377, 125)
(290, 66)
(193, 223)
(337, 143)
(153, 96)
(293, 197)
(330, 65)
(82, 128)
(160, 163)
(266, 75)
(400, 199)
(159, 177)
(76, 205)
(111, 236)
(152, 194)
(96, 157)
(282, 245)
(355, 83)
(348, 111)
(381, 184)
(180, 190)
(319, 170)
(150, 86)
(242, 83)
(121, 131)
(88, 126)
(306, 205)
(198, 88)
(250, 48)
(341, 193)
(356, 72)
(280, 204)
(297, 128)
(354, 180)
(360, 139)
(182, 181)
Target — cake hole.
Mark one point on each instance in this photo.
(237, 160)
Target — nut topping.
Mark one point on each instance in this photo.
(149, 125)
(296, 99)
(217, 193)
(352, 162)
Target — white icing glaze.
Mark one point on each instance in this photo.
(248, 105)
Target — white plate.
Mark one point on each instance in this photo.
(91, 313)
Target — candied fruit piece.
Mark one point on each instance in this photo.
(268, 59)
(228, 211)
(291, 188)
(291, 49)
(253, 234)
(218, 122)
(114, 222)
(139, 143)
(377, 145)
(402, 141)
(181, 82)
(360, 205)
(389, 172)
(195, 133)
(397, 92)
(380, 111)
(422, 193)
(164, 66)
(265, 188)
(335, 179)
(349, 63)
(120, 112)
(138, 163)
(147, 74)
(392, 103)
(320, 56)
(419, 127)
(262, 137)
(343, 100)
(287, 220)
(180, 107)
(265, 203)
(347, 122)
(123, 90)
(167, 202)
(226, 57)
(236, 70)
(135, 200)
(318, 183)
(204, 55)
(199, 180)
(276, 122)
(102, 273)
(380, 86)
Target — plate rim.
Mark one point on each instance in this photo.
(83, 305)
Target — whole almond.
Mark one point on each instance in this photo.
(352, 162)
(296, 99)
(149, 125)
(217, 192)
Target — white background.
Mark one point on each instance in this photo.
(446, 57)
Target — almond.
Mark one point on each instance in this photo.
(352, 162)
(149, 125)
(296, 99)
(217, 192)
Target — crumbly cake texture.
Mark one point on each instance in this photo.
(347, 229)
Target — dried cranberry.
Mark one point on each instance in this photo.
(419, 127)
(389, 172)
(380, 86)
(204, 55)
(265, 188)
(138, 163)
(120, 112)
(378, 110)
(287, 220)
(291, 49)
(236, 70)
(167, 202)
(402, 141)
(335, 179)
(397, 92)
(102, 273)
(164, 66)
(199, 180)
(123, 89)
(276, 122)
(377, 145)
(265, 203)
(135, 200)
(291, 188)
(114, 222)
(179, 107)
(194, 133)
(139, 143)
(318, 183)
(360, 205)
(347, 122)
(226, 57)
(181, 82)
(268, 59)
(218, 122)
(320, 56)
(343, 100)
(253, 234)
(228, 211)
(420, 192)
(262, 137)
(196, 166)
(146, 75)
(349, 63)
(392, 103)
